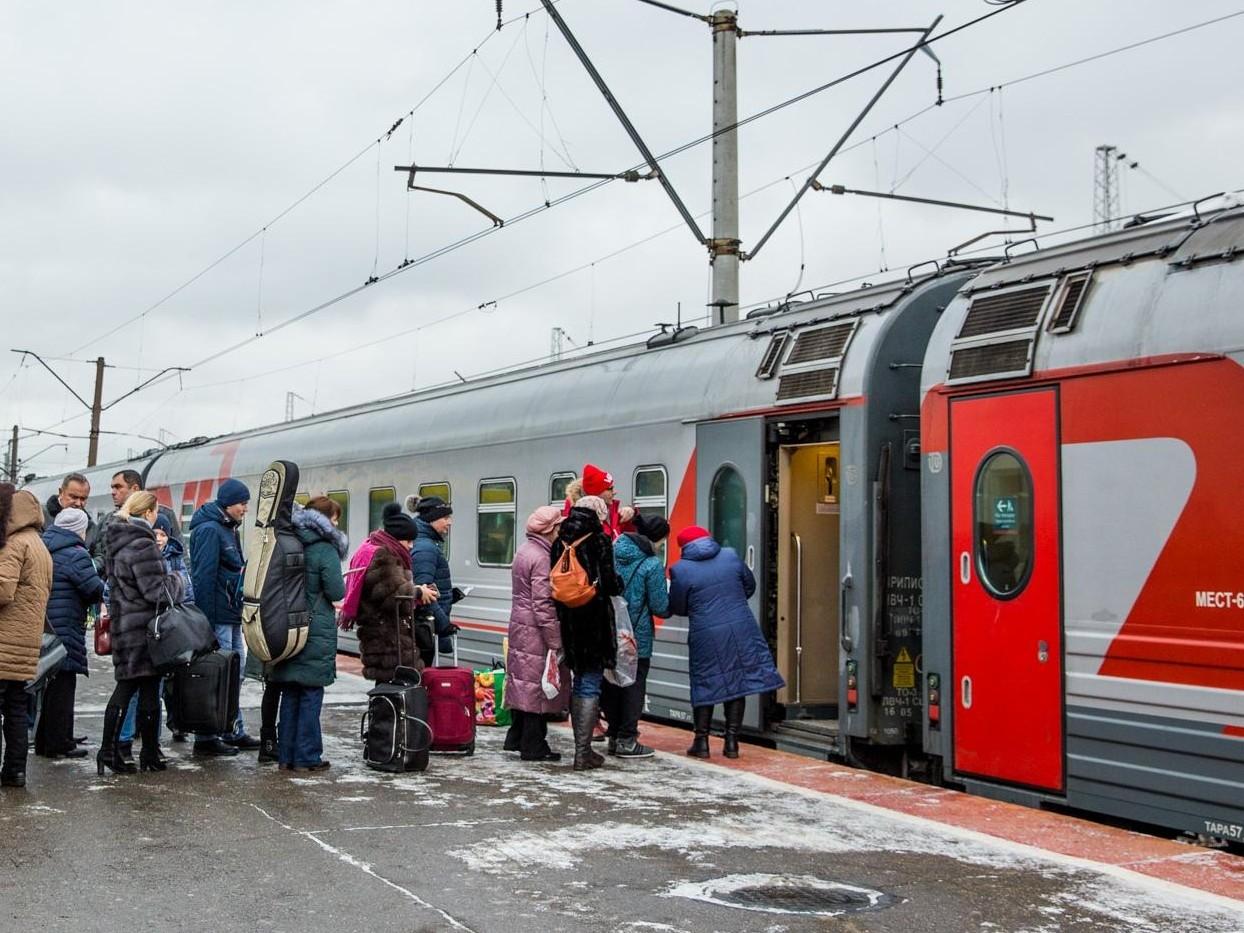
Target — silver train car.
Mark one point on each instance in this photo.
(992, 511)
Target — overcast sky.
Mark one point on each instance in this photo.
(143, 141)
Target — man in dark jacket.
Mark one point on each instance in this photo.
(429, 566)
(124, 484)
(216, 571)
(75, 586)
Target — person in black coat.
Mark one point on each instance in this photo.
(589, 634)
(140, 585)
(75, 586)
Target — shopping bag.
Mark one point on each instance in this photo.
(551, 679)
(626, 668)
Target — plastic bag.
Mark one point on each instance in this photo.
(551, 679)
(627, 666)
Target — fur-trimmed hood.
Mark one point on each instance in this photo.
(313, 525)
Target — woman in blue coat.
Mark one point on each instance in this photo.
(729, 658)
(75, 586)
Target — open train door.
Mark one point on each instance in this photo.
(1006, 579)
(729, 482)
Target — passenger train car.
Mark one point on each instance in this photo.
(1065, 624)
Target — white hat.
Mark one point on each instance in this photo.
(74, 520)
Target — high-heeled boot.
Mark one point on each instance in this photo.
(150, 759)
(584, 712)
(108, 755)
(734, 722)
(702, 718)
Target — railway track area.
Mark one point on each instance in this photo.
(772, 843)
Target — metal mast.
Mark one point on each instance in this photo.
(723, 248)
(1105, 188)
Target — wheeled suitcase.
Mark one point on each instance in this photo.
(395, 730)
(451, 706)
(275, 620)
(202, 696)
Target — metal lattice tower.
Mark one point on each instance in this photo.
(1105, 188)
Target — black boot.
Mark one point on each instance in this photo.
(514, 736)
(267, 747)
(108, 755)
(703, 718)
(126, 750)
(150, 759)
(734, 721)
(584, 712)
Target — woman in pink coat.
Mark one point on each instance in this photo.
(534, 632)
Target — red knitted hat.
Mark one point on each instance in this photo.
(596, 480)
(691, 533)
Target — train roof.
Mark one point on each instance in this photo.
(1167, 287)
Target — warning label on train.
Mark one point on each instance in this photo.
(904, 670)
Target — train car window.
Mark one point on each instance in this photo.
(1004, 524)
(377, 499)
(442, 491)
(651, 495)
(727, 509)
(557, 487)
(302, 498)
(342, 498)
(497, 514)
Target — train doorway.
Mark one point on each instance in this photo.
(807, 572)
(1006, 580)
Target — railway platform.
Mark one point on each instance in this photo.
(771, 842)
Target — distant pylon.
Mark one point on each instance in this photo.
(1105, 188)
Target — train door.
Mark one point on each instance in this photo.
(730, 499)
(1006, 580)
(809, 522)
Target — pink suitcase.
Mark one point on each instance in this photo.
(451, 707)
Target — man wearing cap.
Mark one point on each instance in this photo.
(429, 566)
(216, 570)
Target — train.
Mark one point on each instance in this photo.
(993, 509)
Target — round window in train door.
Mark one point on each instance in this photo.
(1007, 626)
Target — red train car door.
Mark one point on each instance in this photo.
(1006, 580)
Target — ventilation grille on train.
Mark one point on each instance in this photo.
(824, 343)
(998, 334)
(1070, 300)
(990, 359)
(773, 355)
(810, 370)
(813, 384)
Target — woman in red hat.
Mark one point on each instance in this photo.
(598, 482)
(729, 659)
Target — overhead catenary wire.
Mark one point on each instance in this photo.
(587, 189)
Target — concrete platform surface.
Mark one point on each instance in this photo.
(773, 843)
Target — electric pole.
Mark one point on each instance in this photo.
(1105, 188)
(723, 248)
(97, 408)
(10, 460)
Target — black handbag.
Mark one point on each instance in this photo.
(52, 654)
(179, 635)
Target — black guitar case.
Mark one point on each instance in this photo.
(275, 619)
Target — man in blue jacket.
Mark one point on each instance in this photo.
(216, 571)
(429, 566)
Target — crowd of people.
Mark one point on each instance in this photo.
(57, 565)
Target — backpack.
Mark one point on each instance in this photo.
(569, 580)
(275, 618)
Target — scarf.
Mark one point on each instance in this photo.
(376, 541)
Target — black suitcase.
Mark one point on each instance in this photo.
(395, 730)
(202, 696)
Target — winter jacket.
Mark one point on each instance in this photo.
(534, 631)
(216, 565)
(316, 664)
(613, 526)
(139, 586)
(25, 583)
(728, 657)
(589, 635)
(382, 619)
(643, 584)
(174, 559)
(428, 565)
(75, 586)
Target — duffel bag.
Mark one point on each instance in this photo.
(178, 635)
